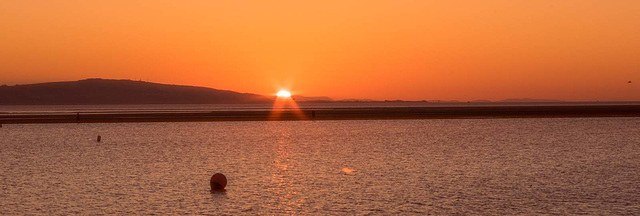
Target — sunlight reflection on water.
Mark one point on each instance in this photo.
(347, 170)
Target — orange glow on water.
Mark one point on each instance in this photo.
(347, 170)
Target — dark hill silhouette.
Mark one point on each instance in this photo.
(105, 91)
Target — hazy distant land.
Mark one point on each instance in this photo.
(127, 92)
(109, 91)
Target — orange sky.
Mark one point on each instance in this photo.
(392, 49)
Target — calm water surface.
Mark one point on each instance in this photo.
(483, 166)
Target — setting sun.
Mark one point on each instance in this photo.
(283, 94)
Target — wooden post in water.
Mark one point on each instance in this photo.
(313, 113)
(99, 138)
(77, 116)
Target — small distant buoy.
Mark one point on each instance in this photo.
(77, 116)
(0, 125)
(218, 182)
(313, 113)
(99, 138)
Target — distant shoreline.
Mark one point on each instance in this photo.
(374, 113)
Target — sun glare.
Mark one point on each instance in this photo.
(283, 94)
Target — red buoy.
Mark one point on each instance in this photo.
(218, 182)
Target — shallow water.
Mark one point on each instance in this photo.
(472, 166)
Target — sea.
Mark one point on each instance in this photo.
(518, 166)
